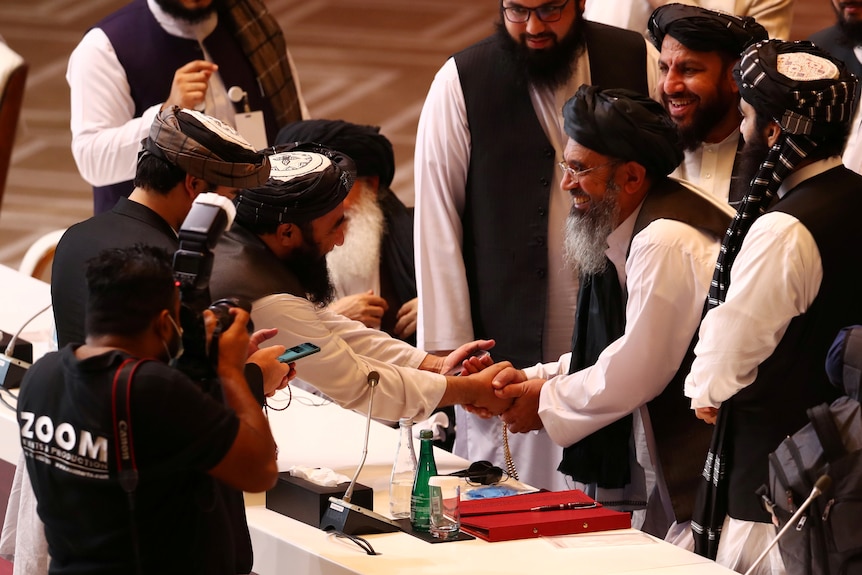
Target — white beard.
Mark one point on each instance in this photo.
(587, 235)
(354, 267)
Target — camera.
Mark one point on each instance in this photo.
(208, 219)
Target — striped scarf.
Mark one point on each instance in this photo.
(812, 107)
(263, 43)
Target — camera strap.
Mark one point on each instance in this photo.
(127, 467)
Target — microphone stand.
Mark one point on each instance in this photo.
(821, 485)
(342, 516)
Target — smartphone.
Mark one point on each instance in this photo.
(298, 352)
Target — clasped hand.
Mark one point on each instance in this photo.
(510, 384)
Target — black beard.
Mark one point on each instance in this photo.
(549, 68)
(309, 265)
(852, 31)
(694, 134)
(175, 9)
(751, 156)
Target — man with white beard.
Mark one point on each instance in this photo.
(646, 246)
(372, 272)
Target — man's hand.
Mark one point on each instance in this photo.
(275, 373)
(475, 350)
(503, 378)
(189, 88)
(365, 307)
(485, 397)
(708, 414)
(259, 337)
(405, 319)
(523, 416)
(233, 342)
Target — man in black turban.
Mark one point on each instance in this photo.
(372, 272)
(645, 246)
(274, 256)
(698, 50)
(785, 283)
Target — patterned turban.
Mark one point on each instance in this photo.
(366, 146)
(625, 125)
(206, 148)
(704, 30)
(811, 96)
(307, 181)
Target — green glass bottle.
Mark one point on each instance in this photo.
(420, 501)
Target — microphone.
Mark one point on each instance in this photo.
(821, 485)
(342, 515)
(239, 96)
(11, 368)
(373, 380)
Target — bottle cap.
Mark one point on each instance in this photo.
(426, 434)
(405, 421)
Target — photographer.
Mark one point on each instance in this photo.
(153, 503)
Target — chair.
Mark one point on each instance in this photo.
(13, 75)
(37, 260)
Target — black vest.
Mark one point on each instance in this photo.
(682, 441)
(150, 57)
(508, 186)
(794, 378)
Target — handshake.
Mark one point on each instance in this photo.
(489, 389)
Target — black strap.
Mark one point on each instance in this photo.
(127, 468)
(827, 432)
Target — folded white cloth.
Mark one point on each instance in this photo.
(437, 423)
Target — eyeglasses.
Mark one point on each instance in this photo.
(545, 13)
(576, 174)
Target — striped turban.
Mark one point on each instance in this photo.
(704, 30)
(205, 147)
(811, 96)
(307, 181)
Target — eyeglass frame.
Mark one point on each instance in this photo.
(576, 174)
(556, 10)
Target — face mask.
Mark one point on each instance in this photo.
(173, 358)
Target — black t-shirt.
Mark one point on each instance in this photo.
(127, 224)
(178, 432)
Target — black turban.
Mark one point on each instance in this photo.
(206, 148)
(365, 145)
(704, 30)
(307, 181)
(625, 125)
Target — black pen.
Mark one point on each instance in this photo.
(561, 506)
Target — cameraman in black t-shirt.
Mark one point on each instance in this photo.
(124, 454)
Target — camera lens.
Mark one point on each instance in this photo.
(221, 310)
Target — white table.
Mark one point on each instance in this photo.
(332, 437)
